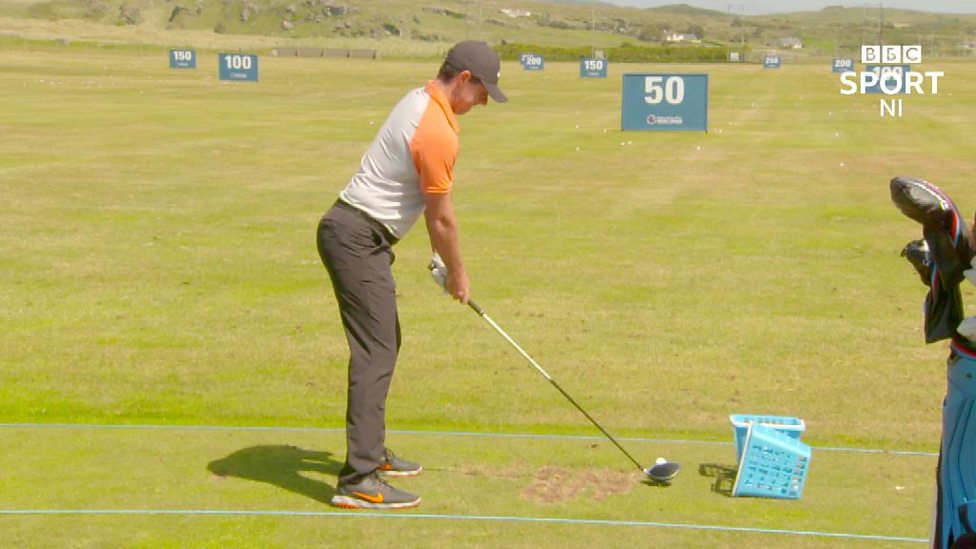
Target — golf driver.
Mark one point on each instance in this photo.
(662, 471)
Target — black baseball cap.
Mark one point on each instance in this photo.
(478, 58)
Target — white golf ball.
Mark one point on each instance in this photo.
(660, 461)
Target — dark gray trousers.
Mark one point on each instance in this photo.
(358, 253)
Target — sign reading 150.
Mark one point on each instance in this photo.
(594, 64)
(659, 88)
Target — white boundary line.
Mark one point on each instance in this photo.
(480, 518)
(430, 433)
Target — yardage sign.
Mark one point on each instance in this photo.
(532, 62)
(593, 68)
(664, 102)
(843, 65)
(238, 66)
(890, 81)
(182, 59)
(772, 62)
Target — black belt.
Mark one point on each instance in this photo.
(340, 203)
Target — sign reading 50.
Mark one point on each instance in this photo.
(665, 102)
(658, 88)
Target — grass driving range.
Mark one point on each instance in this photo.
(157, 244)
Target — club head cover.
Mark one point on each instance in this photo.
(917, 253)
(921, 201)
(950, 250)
(945, 231)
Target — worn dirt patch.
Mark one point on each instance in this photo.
(554, 484)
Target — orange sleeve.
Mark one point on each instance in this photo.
(434, 148)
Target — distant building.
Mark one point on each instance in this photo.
(681, 37)
(790, 42)
(517, 13)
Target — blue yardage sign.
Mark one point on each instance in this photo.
(664, 102)
(843, 64)
(182, 59)
(891, 78)
(238, 66)
(532, 62)
(593, 68)
(772, 62)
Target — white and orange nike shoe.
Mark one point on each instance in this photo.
(372, 492)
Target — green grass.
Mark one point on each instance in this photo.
(157, 244)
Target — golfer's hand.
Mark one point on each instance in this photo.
(458, 286)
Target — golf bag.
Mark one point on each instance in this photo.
(941, 257)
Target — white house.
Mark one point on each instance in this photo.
(681, 37)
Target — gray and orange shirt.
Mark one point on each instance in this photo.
(412, 155)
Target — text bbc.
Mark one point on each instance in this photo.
(891, 54)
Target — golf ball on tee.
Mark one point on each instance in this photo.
(659, 461)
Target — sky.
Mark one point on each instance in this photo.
(757, 7)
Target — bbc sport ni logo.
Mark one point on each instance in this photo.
(889, 70)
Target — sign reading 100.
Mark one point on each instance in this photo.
(665, 102)
(238, 66)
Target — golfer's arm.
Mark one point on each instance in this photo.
(443, 230)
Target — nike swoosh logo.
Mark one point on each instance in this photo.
(372, 498)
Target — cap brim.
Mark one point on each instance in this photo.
(495, 92)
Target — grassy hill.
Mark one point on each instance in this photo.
(406, 28)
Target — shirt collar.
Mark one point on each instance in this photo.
(438, 96)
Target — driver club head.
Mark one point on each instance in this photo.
(663, 471)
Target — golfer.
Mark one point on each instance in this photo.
(406, 172)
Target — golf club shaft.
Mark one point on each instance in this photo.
(481, 312)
